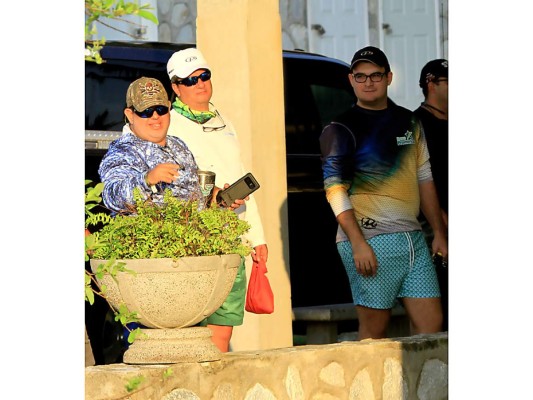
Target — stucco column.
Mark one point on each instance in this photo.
(241, 40)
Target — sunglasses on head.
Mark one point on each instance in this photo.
(161, 110)
(193, 80)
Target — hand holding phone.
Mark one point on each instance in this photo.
(238, 190)
(439, 261)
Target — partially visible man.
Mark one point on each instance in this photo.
(433, 113)
(214, 143)
(377, 177)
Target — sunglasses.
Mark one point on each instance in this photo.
(161, 110)
(214, 128)
(193, 80)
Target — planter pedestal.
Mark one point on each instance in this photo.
(170, 346)
(171, 296)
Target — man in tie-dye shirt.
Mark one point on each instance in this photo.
(377, 177)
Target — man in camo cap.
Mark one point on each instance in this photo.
(144, 156)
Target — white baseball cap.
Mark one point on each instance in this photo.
(185, 62)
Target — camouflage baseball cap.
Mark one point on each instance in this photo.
(146, 92)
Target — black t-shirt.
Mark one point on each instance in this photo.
(436, 132)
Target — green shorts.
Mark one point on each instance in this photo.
(231, 312)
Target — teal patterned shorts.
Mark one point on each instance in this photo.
(404, 269)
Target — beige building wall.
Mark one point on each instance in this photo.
(241, 39)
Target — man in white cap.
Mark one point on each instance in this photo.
(214, 143)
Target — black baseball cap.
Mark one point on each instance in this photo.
(371, 54)
(433, 70)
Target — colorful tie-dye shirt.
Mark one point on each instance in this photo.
(128, 159)
(372, 163)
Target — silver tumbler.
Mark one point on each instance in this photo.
(207, 184)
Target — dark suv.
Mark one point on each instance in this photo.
(316, 88)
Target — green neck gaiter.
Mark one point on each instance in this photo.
(200, 117)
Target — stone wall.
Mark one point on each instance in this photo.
(408, 368)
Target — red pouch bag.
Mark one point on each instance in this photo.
(259, 296)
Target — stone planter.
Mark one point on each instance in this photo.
(170, 296)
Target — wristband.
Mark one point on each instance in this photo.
(152, 187)
(145, 178)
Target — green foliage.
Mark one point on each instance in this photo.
(167, 373)
(93, 220)
(116, 9)
(172, 230)
(111, 267)
(125, 315)
(92, 196)
(89, 292)
(137, 332)
(134, 383)
(96, 11)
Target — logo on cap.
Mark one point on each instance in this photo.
(149, 89)
(189, 59)
(145, 92)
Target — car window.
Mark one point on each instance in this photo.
(105, 90)
(331, 101)
(316, 90)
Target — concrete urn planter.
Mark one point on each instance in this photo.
(170, 296)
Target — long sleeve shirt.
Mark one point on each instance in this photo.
(373, 162)
(129, 158)
(217, 149)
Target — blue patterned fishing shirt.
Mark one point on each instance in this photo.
(129, 158)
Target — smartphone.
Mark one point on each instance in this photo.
(238, 190)
(439, 261)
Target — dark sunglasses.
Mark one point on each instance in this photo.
(193, 80)
(161, 110)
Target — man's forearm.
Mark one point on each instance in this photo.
(348, 223)
(429, 203)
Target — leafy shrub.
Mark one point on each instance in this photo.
(172, 230)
